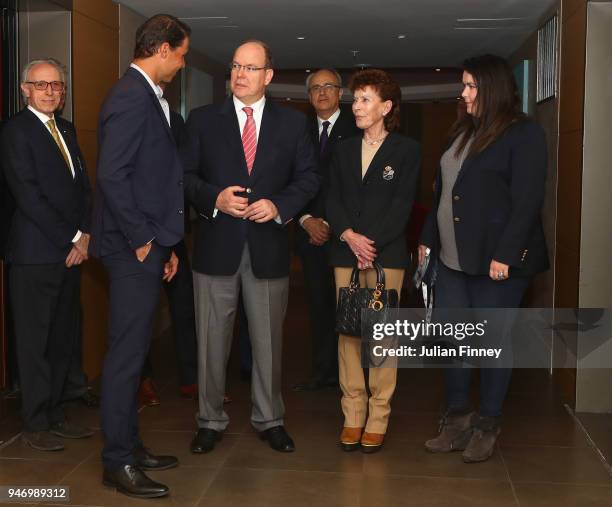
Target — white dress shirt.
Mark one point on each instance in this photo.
(159, 93)
(44, 118)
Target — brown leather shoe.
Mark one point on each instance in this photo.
(147, 395)
(371, 442)
(349, 438)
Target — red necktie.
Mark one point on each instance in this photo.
(249, 139)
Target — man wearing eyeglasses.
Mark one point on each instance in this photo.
(330, 126)
(48, 240)
(249, 169)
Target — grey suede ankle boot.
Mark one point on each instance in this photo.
(455, 433)
(482, 443)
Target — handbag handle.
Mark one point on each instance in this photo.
(380, 277)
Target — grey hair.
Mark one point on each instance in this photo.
(333, 71)
(51, 61)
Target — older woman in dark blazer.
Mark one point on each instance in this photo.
(372, 187)
(486, 233)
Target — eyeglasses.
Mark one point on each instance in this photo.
(41, 86)
(247, 68)
(327, 87)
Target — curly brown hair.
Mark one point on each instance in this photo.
(386, 88)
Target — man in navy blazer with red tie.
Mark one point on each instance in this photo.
(138, 218)
(249, 169)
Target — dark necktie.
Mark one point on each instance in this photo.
(324, 137)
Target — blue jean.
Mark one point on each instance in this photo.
(456, 289)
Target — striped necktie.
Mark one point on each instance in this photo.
(249, 139)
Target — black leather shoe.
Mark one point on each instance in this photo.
(132, 481)
(145, 460)
(205, 440)
(278, 438)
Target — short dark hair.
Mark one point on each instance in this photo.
(157, 30)
(268, 54)
(387, 89)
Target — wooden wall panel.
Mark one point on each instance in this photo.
(571, 113)
(95, 27)
(102, 12)
(95, 64)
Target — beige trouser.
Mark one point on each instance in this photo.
(381, 381)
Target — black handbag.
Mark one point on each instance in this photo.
(381, 304)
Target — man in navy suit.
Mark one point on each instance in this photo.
(249, 169)
(48, 240)
(138, 218)
(329, 127)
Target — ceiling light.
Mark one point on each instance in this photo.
(288, 99)
(438, 70)
(300, 37)
(471, 20)
(205, 17)
(401, 36)
(307, 71)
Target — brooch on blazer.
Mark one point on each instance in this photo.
(388, 173)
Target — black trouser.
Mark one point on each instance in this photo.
(321, 297)
(455, 289)
(76, 384)
(134, 296)
(45, 305)
(180, 300)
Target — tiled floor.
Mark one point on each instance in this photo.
(543, 457)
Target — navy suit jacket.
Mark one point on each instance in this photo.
(139, 192)
(50, 205)
(497, 203)
(284, 171)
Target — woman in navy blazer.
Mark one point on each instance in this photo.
(373, 182)
(485, 232)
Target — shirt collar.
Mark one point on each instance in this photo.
(257, 106)
(332, 119)
(41, 116)
(156, 89)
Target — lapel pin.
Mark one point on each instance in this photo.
(388, 173)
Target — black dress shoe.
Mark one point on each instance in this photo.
(278, 438)
(205, 440)
(145, 460)
(132, 481)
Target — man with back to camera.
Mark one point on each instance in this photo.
(330, 126)
(249, 169)
(138, 218)
(48, 240)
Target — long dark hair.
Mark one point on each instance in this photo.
(497, 104)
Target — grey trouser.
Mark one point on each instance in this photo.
(265, 302)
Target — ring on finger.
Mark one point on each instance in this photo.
(500, 274)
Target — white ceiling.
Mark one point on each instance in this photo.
(332, 29)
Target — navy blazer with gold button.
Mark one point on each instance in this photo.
(497, 204)
(284, 172)
(377, 206)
